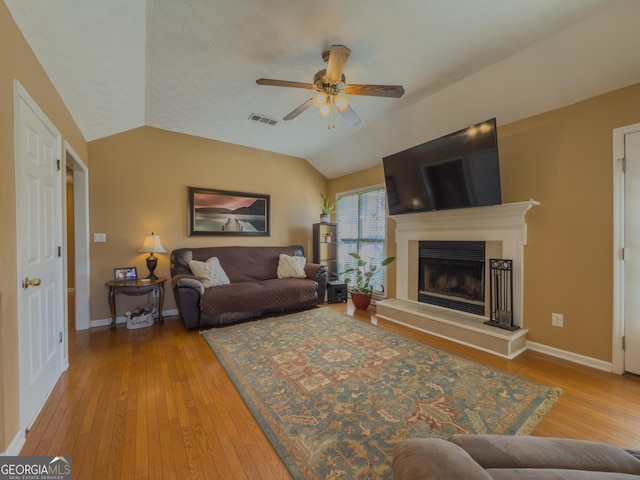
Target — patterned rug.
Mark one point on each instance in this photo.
(335, 394)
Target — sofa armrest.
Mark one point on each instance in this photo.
(187, 290)
(318, 272)
(313, 269)
(434, 459)
(188, 281)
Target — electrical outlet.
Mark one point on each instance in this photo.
(156, 293)
(557, 320)
(99, 237)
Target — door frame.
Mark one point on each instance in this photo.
(21, 95)
(81, 236)
(617, 350)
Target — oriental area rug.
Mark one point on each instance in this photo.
(335, 394)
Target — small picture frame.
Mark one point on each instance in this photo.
(125, 274)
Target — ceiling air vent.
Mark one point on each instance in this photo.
(256, 117)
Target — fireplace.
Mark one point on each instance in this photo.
(501, 227)
(451, 274)
(503, 230)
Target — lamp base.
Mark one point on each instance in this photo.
(152, 262)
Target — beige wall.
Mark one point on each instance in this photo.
(18, 62)
(138, 184)
(562, 159)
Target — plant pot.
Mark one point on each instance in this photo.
(360, 300)
(325, 218)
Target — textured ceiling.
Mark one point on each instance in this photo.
(190, 66)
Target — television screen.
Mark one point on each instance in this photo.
(458, 170)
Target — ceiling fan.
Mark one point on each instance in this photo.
(331, 88)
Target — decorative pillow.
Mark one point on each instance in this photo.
(291, 267)
(210, 272)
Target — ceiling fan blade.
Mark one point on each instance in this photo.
(350, 116)
(299, 110)
(338, 56)
(392, 91)
(284, 83)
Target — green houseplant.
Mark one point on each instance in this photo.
(363, 275)
(327, 209)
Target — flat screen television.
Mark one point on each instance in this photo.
(458, 170)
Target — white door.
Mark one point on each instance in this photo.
(39, 225)
(632, 254)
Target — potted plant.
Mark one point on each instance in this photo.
(327, 209)
(364, 273)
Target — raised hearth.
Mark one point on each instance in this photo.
(503, 229)
(461, 327)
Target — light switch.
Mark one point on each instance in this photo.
(99, 237)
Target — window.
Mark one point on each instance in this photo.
(362, 228)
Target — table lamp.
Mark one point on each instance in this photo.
(152, 245)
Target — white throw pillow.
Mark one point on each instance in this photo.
(291, 267)
(210, 273)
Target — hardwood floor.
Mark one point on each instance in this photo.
(155, 403)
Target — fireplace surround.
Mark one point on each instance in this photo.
(502, 229)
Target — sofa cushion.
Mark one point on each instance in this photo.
(520, 452)
(554, 474)
(250, 296)
(210, 273)
(291, 267)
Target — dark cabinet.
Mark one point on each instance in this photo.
(325, 247)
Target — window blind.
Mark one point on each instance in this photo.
(362, 228)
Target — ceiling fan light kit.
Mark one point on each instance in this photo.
(319, 99)
(332, 89)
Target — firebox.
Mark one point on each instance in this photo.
(452, 275)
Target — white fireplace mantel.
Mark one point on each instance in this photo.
(506, 215)
(503, 223)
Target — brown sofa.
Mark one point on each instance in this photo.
(254, 289)
(502, 457)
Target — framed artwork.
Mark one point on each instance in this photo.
(220, 212)
(124, 274)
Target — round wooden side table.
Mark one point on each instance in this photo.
(135, 288)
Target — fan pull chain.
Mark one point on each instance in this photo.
(332, 123)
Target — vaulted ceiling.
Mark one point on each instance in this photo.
(191, 66)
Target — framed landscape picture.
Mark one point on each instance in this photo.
(220, 212)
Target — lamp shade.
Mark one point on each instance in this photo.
(341, 102)
(320, 99)
(325, 110)
(152, 244)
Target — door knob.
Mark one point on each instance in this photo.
(34, 282)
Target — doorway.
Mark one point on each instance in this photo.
(626, 325)
(71, 257)
(78, 246)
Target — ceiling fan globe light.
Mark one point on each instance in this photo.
(341, 102)
(325, 110)
(320, 99)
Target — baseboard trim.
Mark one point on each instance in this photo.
(105, 322)
(16, 445)
(570, 356)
